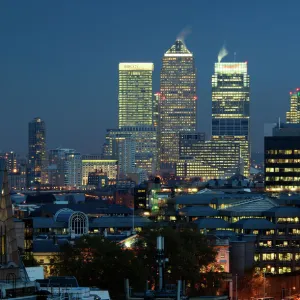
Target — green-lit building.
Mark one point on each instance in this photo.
(177, 102)
(230, 106)
(135, 94)
(293, 115)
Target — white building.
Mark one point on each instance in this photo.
(107, 166)
(73, 169)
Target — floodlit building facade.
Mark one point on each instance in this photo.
(293, 115)
(135, 94)
(209, 160)
(230, 106)
(108, 167)
(177, 102)
(37, 157)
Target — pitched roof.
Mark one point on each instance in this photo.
(41, 222)
(283, 212)
(119, 222)
(255, 206)
(96, 207)
(211, 223)
(253, 223)
(178, 48)
(198, 211)
(46, 246)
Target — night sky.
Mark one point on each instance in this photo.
(59, 60)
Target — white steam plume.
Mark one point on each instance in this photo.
(184, 33)
(223, 52)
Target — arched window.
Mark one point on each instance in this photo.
(78, 223)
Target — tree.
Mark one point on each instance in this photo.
(189, 254)
(96, 261)
(252, 284)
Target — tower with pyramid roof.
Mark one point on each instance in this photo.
(177, 103)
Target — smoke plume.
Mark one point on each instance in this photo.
(223, 52)
(184, 33)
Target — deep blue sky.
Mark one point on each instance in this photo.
(59, 60)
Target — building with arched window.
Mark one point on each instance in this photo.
(77, 221)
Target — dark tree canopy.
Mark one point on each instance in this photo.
(96, 261)
(188, 252)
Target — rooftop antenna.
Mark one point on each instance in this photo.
(278, 122)
(234, 56)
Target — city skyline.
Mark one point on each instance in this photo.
(71, 79)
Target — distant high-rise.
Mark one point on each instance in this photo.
(293, 116)
(177, 102)
(10, 159)
(36, 151)
(145, 145)
(230, 106)
(135, 94)
(73, 169)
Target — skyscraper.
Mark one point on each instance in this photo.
(293, 116)
(230, 106)
(73, 168)
(36, 151)
(177, 102)
(145, 145)
(282, 159)
(135, 94)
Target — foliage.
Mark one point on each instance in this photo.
(29, 260)
(96, 261)
(188, 252)
(252, 284)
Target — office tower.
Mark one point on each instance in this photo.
(230, 106)
(97, 179)
(135, 94)
(145, 138)
(73, 169)
(186, 140)
(36, 152)
(90, 163)
(282, 159)
(209, 159)
(156, 99)
(56, 167)
(126, 157)
(293, 116)
(10, 159)
(177, 102)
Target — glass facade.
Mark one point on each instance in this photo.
(209, 160)
(230, 106)
(293, 116)
(145, 138)
(177, 103)
(135, 94)
(282, 163)
(37, 152)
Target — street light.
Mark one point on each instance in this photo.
(267, 268)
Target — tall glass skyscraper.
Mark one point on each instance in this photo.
(36, 152)
(230, 106)
(135, 94)
(293, 116)
(177, 102)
